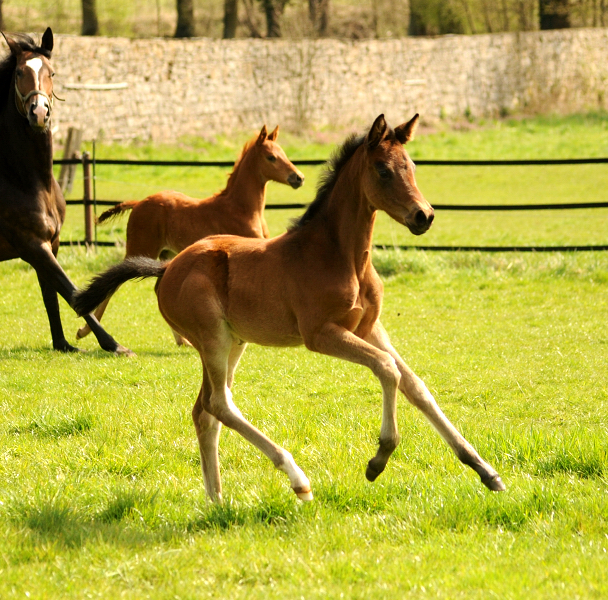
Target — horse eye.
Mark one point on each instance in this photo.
(52, 74)
(384, 172)
(271, 158)
(19, 73)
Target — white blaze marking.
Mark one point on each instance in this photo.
(35, 64)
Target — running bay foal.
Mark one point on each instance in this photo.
(168, 222)
(313, 285)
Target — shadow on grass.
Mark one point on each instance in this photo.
(271, 512)
(52, 427)
(55, 521)
(130, 518)
(579, 452)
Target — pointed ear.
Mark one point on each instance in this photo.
(274, 134)
(263, 135)
(377, 132)
(47, 40)
(405, 132)
(13, 45)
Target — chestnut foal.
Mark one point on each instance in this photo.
(168, 222)
(316, 285)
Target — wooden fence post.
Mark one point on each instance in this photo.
(87, 197)
(71, 149)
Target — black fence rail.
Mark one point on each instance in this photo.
(90, 202)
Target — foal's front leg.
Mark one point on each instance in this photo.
(417, 393)
(341, 343)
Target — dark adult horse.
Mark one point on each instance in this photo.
(32, 207)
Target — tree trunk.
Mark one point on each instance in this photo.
(231, 18)
(554, 14)
(273, 9)
(319, 16)
(417, 24)
(505, 16)
(90, 24)
(185, 19)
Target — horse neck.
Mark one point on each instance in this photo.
(247, 188)
(348, 217)
(28, 154)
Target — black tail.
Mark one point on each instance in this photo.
(102, 286)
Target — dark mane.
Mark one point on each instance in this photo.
(328, 179)
(8, 64)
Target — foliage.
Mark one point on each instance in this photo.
(347, 18)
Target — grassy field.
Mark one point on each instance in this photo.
(562, 137)
(100, 487)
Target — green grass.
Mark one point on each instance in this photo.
(101, 494)
(562, 137)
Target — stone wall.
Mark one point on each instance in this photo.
(169, 88)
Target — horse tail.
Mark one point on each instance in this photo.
(102, 286)
(113, 212)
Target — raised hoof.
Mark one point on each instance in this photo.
(82, 332)
(122, 351)
(371, 473)
(304, 494)
(494, 483)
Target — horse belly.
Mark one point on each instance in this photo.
(265, 329)
(7, 252)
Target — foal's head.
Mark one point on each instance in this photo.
(33, 78)
(388, 178)
(272, 162)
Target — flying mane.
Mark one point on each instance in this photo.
(328, 179)
(237, 164)
(8, 64)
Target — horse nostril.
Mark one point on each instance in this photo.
(430, 219)
(421, 218)
(295, 180)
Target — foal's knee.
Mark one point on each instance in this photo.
(387, 372)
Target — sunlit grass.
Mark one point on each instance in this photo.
(101, 494)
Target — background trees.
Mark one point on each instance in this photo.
(90, 24)
(346, 19)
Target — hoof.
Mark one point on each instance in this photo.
(304, 494)
(494, 483)
(372, 472)
(122, 351)
(67, 348)
(82, 332)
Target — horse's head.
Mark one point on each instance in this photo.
(272, 161)
(34, 81)
(389, 182)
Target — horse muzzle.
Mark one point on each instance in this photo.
(420, 221)
(295, 180)
(38, 114)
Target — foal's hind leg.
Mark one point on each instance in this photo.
(417, 393)
(208, 428)
(215, 355)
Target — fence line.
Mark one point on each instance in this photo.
(89, 201)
